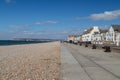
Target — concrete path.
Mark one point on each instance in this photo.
(71, 70)
(80, 63)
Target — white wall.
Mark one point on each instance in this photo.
(111, 34)
(118, 38)
(70, 38)
(88, 37)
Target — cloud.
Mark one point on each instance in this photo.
(19, 26)
(52, 22)
(29, 26)
(107, 15)
(81, 18)
(26, 30)
(49, 34)
(46, 22)
(9, 1)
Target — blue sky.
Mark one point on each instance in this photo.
(55, 19)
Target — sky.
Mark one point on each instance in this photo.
(55, 19)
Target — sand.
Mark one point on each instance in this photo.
(30, 62)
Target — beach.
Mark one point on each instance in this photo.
(30, 62)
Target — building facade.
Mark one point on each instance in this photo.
(118, 39)
(112, 35)
(71, 38)
(98, 36)
(88, 34)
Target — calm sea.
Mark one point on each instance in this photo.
(13, 42)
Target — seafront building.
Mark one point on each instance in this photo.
(112, 36)
(87, 34)
(71, 38)
(99, 36)
(103, 35)
(118, 39)
(77, 39)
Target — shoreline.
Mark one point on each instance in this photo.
(13, 42)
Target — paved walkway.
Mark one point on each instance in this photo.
(71, 70)
(80, 63)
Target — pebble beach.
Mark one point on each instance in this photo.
(30, 62)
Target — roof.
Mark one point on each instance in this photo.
(116, 27)
(103, 30)
(88, 31)
(71, 35)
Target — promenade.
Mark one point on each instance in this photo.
(80, 63)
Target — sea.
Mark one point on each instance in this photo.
(19, 42)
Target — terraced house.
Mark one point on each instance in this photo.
(71, 38)
(99, 37)
(87, 34)
(118, 38)
(113, 34)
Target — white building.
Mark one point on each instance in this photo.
(75, 39)
(99, 37)
(118, 39)
(70, 38)
(88, 34)
(96, 38)
(112, 36)
(103, 35)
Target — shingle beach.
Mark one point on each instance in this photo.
(30, 62)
